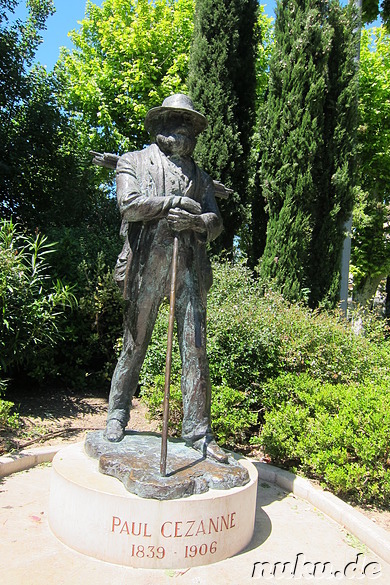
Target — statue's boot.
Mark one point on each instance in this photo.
(114, 431)
(209, 448)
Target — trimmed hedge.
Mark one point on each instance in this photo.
(298, 382)
(338, 434)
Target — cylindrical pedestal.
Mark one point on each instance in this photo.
(95, 515)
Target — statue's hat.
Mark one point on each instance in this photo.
(177, 103)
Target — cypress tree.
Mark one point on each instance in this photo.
(307, 165)
(222, 84)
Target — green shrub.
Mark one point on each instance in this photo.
(292, 379)
(254, 335)
(231, 418)
(154, 364)
(338, 434)
(88, 354)
(9, 419)
(31, 304)
(153, 396)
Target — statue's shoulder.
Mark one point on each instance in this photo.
(203, 176)
(136, 157)
(218, 189)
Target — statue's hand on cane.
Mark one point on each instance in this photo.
(186, 217)
(189, 205)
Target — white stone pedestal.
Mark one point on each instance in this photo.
(95, 515)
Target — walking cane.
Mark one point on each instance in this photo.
(168, 364)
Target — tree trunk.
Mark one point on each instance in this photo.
(365, 293)
(346, 253)
(387, 305)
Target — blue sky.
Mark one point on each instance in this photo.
(65, 19)
(68, 12)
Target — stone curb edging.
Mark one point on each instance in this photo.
(375, 537)
(22, 460)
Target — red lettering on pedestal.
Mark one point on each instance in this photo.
(125, 528)
(201, 529)
(133, 529)
(190, 524)
(213, 525)
(164, 529)
(191, 528)
(115, 522)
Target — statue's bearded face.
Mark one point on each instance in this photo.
(176, 135)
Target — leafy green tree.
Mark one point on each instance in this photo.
(129, 55)
(48, 184)
(222, 82)
(18, 43)
(371, 230)
(254, 244)
(46, 174)
(371, 9)
(307, 166)
(367, 11)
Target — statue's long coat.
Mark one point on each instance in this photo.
(148, 185)
(145, 188)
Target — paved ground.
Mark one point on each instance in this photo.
(288, 530)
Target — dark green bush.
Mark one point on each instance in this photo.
(9, 419)
(338, 434)
(88, 354)
(268, 361)
(231, 417)
(32, 306)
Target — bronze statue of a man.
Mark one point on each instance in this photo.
(160, 192)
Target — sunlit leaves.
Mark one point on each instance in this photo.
(129, 55)
(371, 250)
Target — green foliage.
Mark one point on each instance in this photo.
(9, 419)
(87, 356)
(255, 337)
(335, 433)
(20, 40)
(49, 183)
(31, 304)
(370, 243)
(371, 9)
(222, 83)
(154, 398)
(253, 238)
(254, 334)
(231, 416)
(154, 363)
(129, 55)
(307, 157)
(46, 176)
